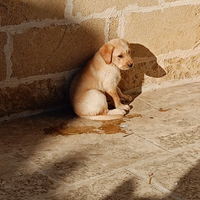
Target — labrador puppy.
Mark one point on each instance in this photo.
(100, 77)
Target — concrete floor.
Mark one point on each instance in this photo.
(152, 154)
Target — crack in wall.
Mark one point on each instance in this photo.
(57, 47)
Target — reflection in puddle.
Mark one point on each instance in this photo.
(73, 127)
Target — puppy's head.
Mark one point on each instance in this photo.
(117, 52)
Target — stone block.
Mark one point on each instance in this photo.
(182, 68)
(56, 49)
(165, 30)
(15, 12)
(87, 7)
(150, 72)
(3, 40)
(43, 94)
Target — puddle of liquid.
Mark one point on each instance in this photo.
(162, 110)
(107, 127)
(112, 127)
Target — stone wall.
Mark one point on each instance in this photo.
(44, 42)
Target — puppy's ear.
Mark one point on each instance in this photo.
(106, 52)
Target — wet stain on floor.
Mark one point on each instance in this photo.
(100, 127)
(132, 116)
(112, 127)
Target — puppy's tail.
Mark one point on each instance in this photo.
(103, 117)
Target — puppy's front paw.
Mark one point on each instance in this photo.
(124, 107)
(127, 107)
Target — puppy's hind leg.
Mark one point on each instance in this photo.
(93, 103)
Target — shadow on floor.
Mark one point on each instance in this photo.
(24, 144)
(187, 188)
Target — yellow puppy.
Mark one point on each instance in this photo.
(101, 75)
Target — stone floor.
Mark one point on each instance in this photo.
(152, 154)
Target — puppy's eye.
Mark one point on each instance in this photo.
(129, 52)
(120, 56)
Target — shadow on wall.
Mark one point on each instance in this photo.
(55, 49)
(43, 51)
(145, 63)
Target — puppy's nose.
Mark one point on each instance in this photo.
(130, 65)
